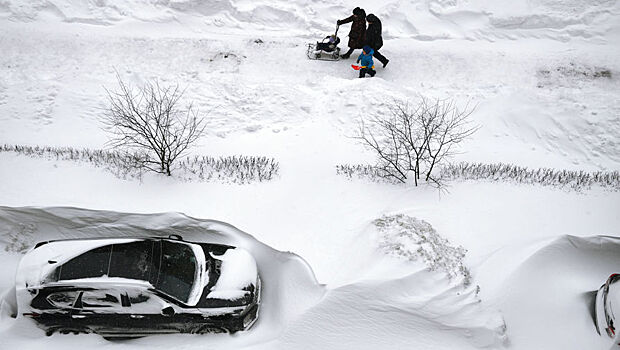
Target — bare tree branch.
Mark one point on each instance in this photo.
(149, 119)
(416, 138)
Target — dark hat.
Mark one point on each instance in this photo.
(372, 18)
(367, 48)
(359, 12)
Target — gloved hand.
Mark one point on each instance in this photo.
(338, 22)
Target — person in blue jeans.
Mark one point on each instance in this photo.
(365, 59)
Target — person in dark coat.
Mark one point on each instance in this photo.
(358, 30)
(374, 39)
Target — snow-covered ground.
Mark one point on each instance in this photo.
(534, 252)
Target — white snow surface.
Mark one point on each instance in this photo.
(238, 271)
(330, 280)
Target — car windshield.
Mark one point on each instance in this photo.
(181, 271)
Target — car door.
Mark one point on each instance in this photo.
(149, 313)
(125, 310)
(98, 309)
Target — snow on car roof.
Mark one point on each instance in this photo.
(104, 280)
(41, 260)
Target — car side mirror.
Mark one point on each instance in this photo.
(167, 311)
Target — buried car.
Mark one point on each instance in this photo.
(607, 299)
(126, 287)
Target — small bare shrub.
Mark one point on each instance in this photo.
(573, 179)
(364, 171)
(234, 169)
(121, 164)
(149, 120)
(412, 140)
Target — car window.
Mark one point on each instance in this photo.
(93, 263)
(132, 260)
(142, 302)
(100, 299)
(177, 270)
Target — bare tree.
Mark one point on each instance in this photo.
(414, 139)
(148, 119)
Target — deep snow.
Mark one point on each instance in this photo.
(529, 67)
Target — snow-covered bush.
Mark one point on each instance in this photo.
(233, 169)
(364, 171)
(122, 164)
(500, 172)
(576, 180)
(568, 74)
(413, 239)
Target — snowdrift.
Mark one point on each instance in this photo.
(420, 19)
(289, 285)
(545, 290)
(398, 299)
(407, 289)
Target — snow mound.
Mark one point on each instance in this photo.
(412, 282)
(413, 239)
(555, 280)
(221, 13)
(421, 19)
(423, 310)
(419, 308)
(491, 20)
(289, 285)
(406, 286)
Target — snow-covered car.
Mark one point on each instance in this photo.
(130, 287)
(606, 301)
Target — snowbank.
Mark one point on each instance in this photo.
(420, 19)
(534, 285)
(289, 285)
(409, 289)
(296, 312)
